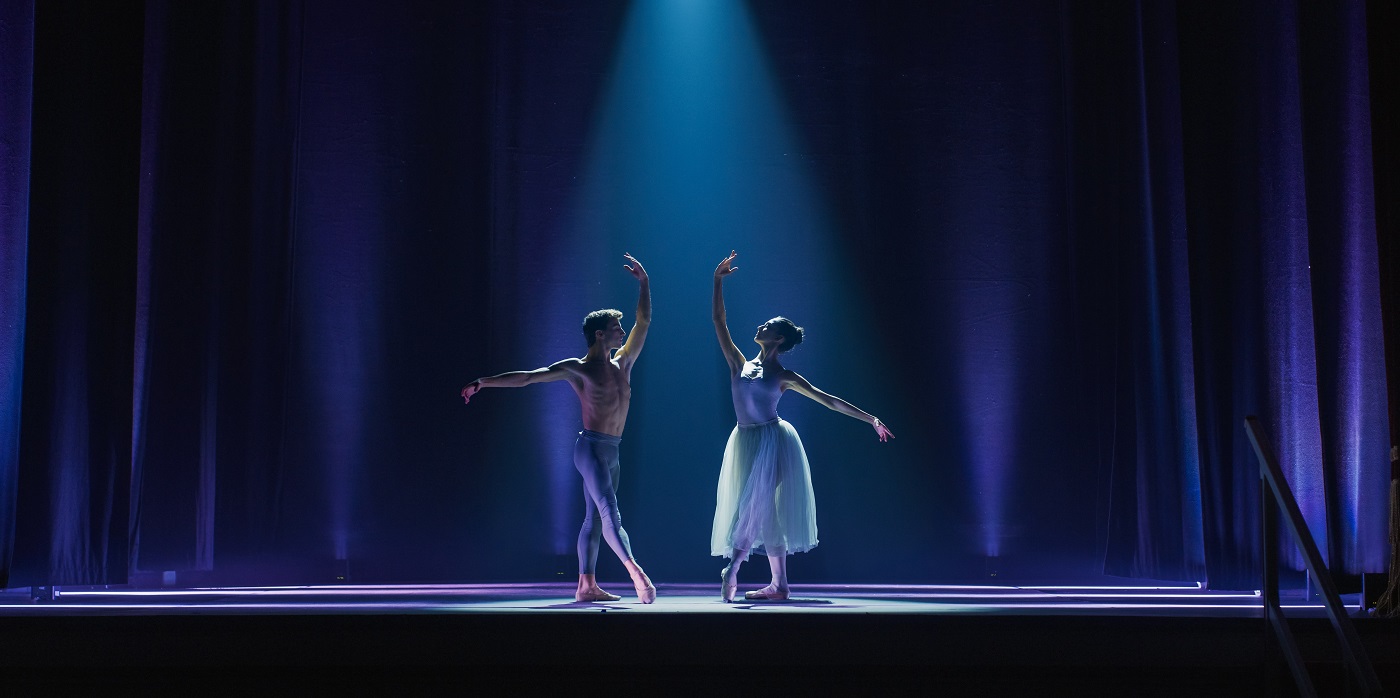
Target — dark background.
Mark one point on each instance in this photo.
(253, 250)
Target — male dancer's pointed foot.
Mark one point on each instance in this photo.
(646, 591)
(727, 586)
(768, 593)
(595, 595)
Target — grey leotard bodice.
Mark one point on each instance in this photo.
(755, 394)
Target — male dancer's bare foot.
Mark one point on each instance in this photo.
(646, 591)
(588, 590)
(771, 592)
(594, 595)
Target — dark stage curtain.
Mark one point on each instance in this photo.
(17, 85)
(75, 253)
(251, 250)
(1243, 277)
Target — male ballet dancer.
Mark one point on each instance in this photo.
(603, 384)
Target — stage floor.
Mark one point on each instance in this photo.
(1173, 601)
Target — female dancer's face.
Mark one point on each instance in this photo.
(766, 333)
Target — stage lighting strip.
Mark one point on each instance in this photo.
(909, 592)
(515, 607)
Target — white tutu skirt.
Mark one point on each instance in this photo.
(764, 500)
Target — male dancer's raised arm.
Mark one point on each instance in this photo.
(627, 355)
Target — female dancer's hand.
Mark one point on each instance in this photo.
(881, 430)
(725, 267)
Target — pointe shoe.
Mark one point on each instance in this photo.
(726, 587)
(594, 595)
(646, 591)
(768, 593)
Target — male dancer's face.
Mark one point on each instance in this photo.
(613, 335)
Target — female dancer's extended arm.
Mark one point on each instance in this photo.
(732, 355)
(796, 382)
(561, 370)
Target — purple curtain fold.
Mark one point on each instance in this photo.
(216, 236)
(1135, 286)
(276, 284)
(1252, 287)
(1345, 271)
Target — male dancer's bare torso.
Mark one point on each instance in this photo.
(604, 390)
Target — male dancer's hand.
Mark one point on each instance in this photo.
(635, 268)
(472, 388)
(881, 430)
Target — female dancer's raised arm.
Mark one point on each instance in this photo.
(732, 355)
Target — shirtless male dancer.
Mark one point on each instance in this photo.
(603, 382)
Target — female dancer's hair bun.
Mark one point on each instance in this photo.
(792, 334)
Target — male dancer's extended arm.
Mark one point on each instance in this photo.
(518, 379)
(732, 355)
(638, 336)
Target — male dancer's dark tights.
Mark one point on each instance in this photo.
(596, 458)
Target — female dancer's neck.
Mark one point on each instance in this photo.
(767, 357)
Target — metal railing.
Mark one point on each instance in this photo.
(1278, 497)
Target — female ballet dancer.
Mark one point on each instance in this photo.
(764, 501)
